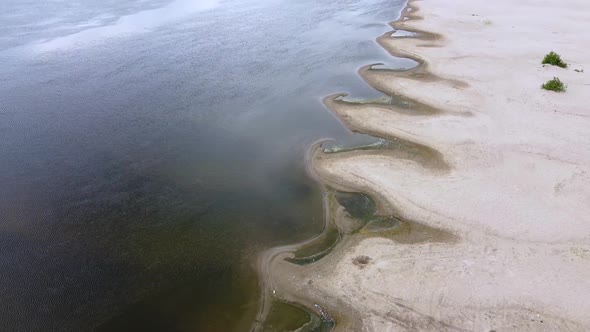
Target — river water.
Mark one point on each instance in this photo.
(150, 149)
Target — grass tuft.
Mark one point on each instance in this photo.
(554, 59)
(554, 85)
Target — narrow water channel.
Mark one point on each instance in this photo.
(149, 150)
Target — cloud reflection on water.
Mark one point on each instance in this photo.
(142, 21)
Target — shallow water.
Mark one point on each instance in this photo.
(289, 317)
(150, 149)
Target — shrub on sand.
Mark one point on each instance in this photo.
(554, 85)
(554, 59)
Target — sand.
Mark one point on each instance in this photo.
(487, 157)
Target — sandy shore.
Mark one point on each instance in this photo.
(492, 173)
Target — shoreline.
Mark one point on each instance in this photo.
(274, 258)
(264, 261)
(505, 190)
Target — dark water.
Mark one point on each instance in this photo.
(150, 149)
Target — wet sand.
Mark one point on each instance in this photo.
(491, 178)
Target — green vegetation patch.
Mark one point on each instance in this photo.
(554, 85)
(554, 59)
